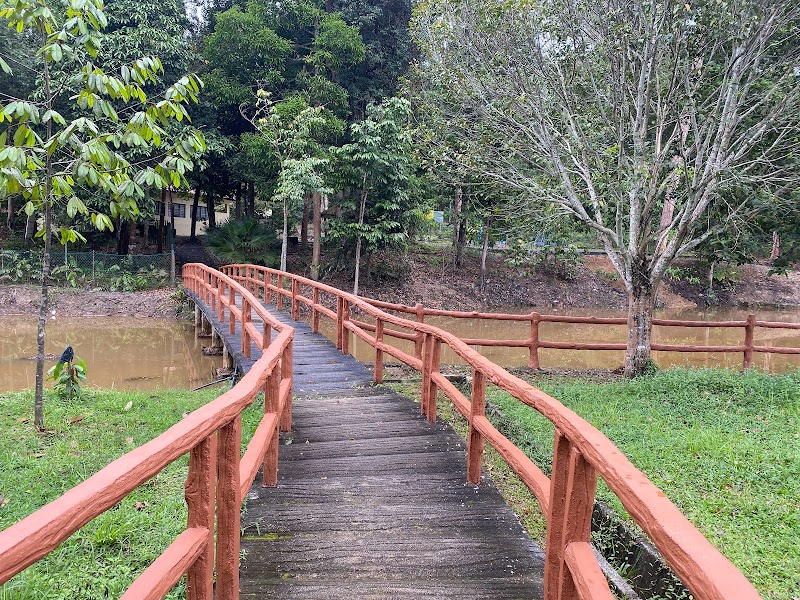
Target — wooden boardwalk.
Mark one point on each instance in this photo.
(372, 500)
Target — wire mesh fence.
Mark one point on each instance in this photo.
(88, 269)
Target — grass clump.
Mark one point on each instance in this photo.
(724, 446)
(104, 557)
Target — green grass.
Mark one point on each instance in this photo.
(101, 559)
(724, 446)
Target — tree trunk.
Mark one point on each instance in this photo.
(361, 210)
(238, 202)
(10, 216)
(161, 216)
(316, 200)
(212, 216)
(462, 239)
(775, 253)
(485, 251)
(304, 222)
(30, 228)
(640, 328)
(457, 202)
(195, 209)
(123, 236)
(251, 199)
(285, 241)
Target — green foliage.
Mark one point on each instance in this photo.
(552, 252)
(68, 377)
(244, 241)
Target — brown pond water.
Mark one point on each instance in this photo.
(592, 359)
(122, 353)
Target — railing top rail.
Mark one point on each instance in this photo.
(28, 540)
(705, 571)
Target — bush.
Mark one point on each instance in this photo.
(244, 241)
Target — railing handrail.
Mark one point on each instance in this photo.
(581, 453)
(28, 540)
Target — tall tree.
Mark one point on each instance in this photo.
(608, 110)
(51, 161)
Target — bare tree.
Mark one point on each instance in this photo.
(637, 118)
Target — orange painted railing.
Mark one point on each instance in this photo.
(218, 476)
(534, 342)
(581, 452)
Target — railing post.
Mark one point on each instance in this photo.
(220, 306)
(420, 312)
(749, 333)
(267, 290)
(339, 321)
(572, 490)
(533, 345)
(229, 507)
(314, 311)
(377, 375)
(345, 332)
(427, 351)
(279, 300)
(231, 305)
(433, 389)
(247, 317)
(271, 405)
(267, 336)
(295, 301)
(475, 442)
(286, 375)
(200, 501)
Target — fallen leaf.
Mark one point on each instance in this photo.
(129, 440)
(38, 455)
(141, 505)
(128, 406)
(23, 420)
(3, 501)
(75, 420)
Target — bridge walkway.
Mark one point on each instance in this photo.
(372, 500)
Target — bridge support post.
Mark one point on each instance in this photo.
(475, 442)
(229, 510)
(533, 343)
(572, 490)
(227, 362)
(216, 340)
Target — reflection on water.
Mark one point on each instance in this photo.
(120, 352)
(583, 359)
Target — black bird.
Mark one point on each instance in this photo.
(67, 355)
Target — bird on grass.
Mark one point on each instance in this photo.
(67, 355)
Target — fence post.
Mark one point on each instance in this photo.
(314, 311)
(200, 500)
(229, 510)
(231, 305)
(295, 301)
(475, 442)
(345, 332)
(433, 368)
(533, 345)
(339, 321)
(287, 375)
(377, 375)
(246, 318)
(749, 332)
(572, 489)
(420, 312)
(279, 300)
(427, 350)
(271, 405)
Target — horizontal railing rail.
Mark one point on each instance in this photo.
(218, 475)
(581, 452)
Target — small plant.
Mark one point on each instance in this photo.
(68, 377)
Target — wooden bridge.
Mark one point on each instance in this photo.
(375, 497)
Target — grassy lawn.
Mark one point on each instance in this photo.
(724, 446)
(103, 558)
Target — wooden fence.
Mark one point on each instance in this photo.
(534, 342)
(581, 452)
(218, 477)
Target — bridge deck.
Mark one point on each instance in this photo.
(372, 500)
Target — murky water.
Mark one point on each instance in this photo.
(122, 353)
(582, 359)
